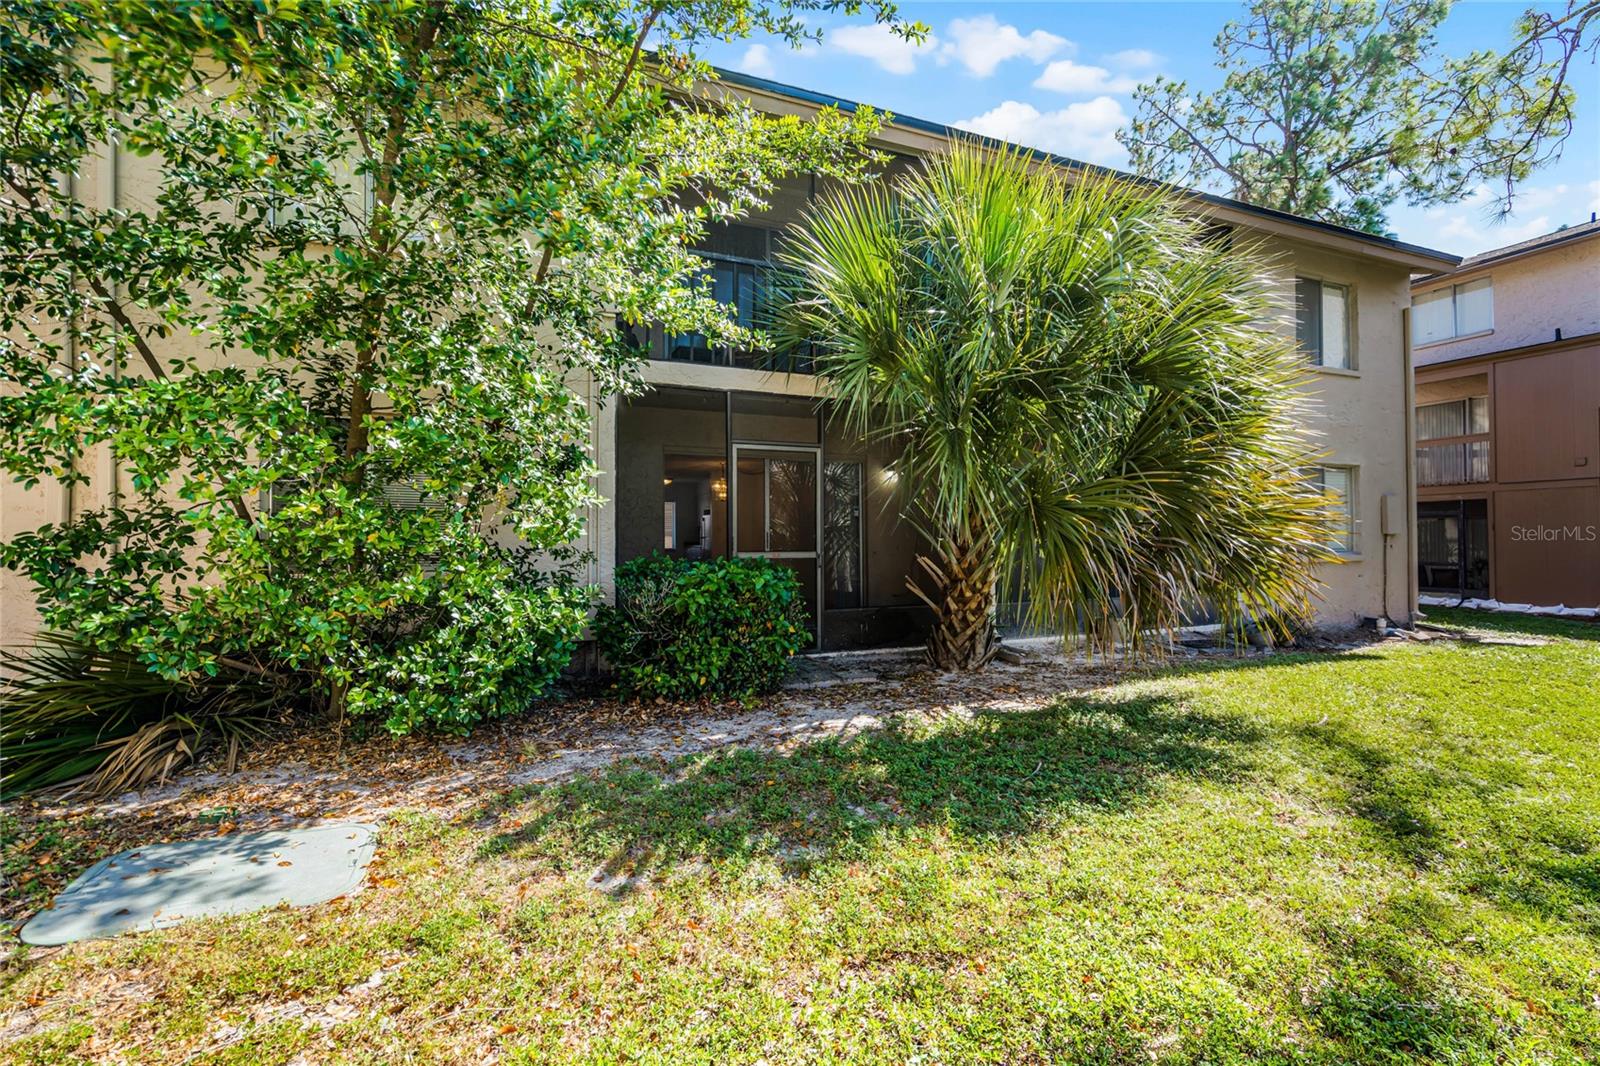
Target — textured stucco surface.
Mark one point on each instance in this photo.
(1359, 419)
(1533, 297)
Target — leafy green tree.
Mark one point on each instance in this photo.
(1092, 412)
(332, 358)
(1337, 109)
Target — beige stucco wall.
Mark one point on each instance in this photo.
(1534, 296)
(119, 179)
(110, 179)
(1360, 418)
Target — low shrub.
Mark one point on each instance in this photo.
(480, 643)
(102, 720)
(719, 629)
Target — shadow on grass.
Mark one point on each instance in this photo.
(994, 777)
(1467, 813)
(1425, 803)
(1274, 660)
(1396, 799)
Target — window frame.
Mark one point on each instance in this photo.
(1348, 545)
(283, 212)
(403, 494)
(759, 274)
(1452, 292)
(1318, 357)
(1466, 420)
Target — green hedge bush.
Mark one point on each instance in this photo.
(720, 629)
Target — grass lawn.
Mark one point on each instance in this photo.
(1391, 855)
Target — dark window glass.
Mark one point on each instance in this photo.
(1308, 315)
(738, 274)
(1453, 546)
(841, 535)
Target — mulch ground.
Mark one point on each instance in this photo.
(316, 772)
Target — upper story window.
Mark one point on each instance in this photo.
(738, 273)
(1322, 322)
(1452, 311)
(1453, 418)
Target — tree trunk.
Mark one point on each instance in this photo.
(963, 600)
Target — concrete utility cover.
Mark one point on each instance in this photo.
(164, 884)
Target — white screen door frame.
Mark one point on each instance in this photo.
(764, 451)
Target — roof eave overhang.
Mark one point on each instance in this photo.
(906, 133)
(1484, 262)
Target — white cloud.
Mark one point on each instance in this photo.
(1572, 203)
(981, 44)
(1084, 130)
(757, 60)
(1133, 59)
(1472, 226)
(880, 44)
(1081, 79)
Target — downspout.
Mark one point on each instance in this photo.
(111, 172)
(1410, 516)
(72, 363)
(114, 191)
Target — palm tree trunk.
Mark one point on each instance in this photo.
(963, 601)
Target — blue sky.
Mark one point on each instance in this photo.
(1059, 76)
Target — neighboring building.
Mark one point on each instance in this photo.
(729, 455)
(1507, 355)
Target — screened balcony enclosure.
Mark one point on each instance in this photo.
(1453, 442)
(739, 273)
(703, 473)
(1453, 547)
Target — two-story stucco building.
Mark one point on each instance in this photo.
(728, 454)
(1507, 353)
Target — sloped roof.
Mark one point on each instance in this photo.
(940, 129)
(1543, 242)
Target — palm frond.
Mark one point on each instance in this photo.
(1083, 385)
(99, 721)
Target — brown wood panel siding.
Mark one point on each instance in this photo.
(1547, 545)
(1547, 416)
(1544, 487)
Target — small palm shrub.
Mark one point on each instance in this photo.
(101, 722)
(719, 629)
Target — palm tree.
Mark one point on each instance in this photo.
(1095, 414)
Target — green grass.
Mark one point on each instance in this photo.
(1391, 856)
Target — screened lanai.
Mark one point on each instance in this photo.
(703, 473)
